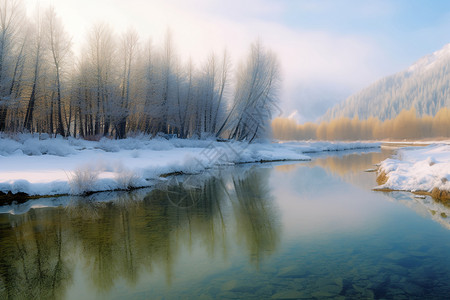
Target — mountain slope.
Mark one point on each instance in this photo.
(425, 86)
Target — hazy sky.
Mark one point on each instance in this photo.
(328, 49)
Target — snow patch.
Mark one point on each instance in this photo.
(418, 169)
(39, 165)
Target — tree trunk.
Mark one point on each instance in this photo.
(59, 128)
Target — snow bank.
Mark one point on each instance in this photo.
(38, 165)
(417, 169)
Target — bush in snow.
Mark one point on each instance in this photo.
(83, 179)
(127, 179)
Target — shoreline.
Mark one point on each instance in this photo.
(32, 168)
(441, 196)
(10, 198)
(420, 170)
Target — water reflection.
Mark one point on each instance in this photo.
(345, 165)
(254, 212)
(121, 240)
(33, 262)
(350, 167)
(425, 206)
(351, 163)
(246, 232)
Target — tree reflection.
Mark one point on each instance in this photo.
(120, 239)
(257, 223)
(33, 264)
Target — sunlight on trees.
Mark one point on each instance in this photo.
(407, 125)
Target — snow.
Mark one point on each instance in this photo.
(427, 62)
(39, 165)
(418, 169)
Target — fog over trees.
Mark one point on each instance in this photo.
(123, 83)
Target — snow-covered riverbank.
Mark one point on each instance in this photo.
(37, 166)
(422, 169)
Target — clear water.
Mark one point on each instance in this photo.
(290, 231)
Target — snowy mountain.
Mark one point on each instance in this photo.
(425, 86)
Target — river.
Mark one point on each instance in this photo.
(261, 231)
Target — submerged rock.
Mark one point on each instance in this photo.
(292, 272)
(229, 285)
(291, 294)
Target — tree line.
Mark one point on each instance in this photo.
(407, 125)
(120, 84)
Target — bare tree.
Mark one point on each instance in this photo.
(38, 55)
(129, 48)
(118, 88)
(150, 87)
(101, 48)
(221, 89)
(12, 14)
(167, 65)
(185, 98)
(59, 45)
(255, 96)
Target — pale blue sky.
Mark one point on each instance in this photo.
(328, 49)
(419, 25)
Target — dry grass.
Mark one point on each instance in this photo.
(441, 195)
(437, 194)
(381, 177)
(126, 179)
(82, 179)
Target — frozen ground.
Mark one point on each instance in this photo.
(418, 169)
(41, 166)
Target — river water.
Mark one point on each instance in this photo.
(263, 231)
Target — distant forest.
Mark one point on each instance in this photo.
(407, 125)
(425, 86)
(121, 84)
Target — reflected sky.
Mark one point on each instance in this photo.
(309, 208)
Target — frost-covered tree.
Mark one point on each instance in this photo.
(255, 96)
(118, 85)
(59, 45)
(12, 21)
(150, 83)
(37, 55)
(184, 98)
(167, 65)
(212, 84)
(101, 63)
(221, 86)
(129, 48)
(425, 86)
